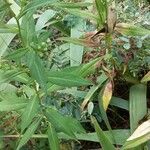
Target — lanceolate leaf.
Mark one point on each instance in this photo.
(60, 123)
(139, 136)
(146, 78)
(131, 30)
(103, 139)
(36, 68)
(29, 132)
(53, 138)
(66, 79)
(29, 112)
(28, 29)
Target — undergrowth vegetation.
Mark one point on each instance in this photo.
(74, 74)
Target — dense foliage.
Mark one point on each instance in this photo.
(74, 73)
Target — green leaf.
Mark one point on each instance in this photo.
(29, 112)
(29, 132)
(28, 29)
(33, 5)
(132, 30)
(8, 28)
(10, 101)
(146, 78)
(137, 105)
(53, 138)
(17, 54)
(37, 69)
(66, 79)
(71, 5)
(119, 102)
(82, 13)
(103, 139)
(139, 136)
(76, 51)
(101, 6)
(60, 123)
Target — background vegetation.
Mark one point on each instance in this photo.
(74, 74)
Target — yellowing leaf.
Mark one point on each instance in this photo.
(146, 78)
(107, 94)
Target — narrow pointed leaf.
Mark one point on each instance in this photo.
(139, 136)
(29, 132)
(146, 78)
(53, 138)
(60, 123)
(29, 112)
(103, 139)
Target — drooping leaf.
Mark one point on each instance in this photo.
(29, 112)
(60, 123)
(53, 138)
(29, 132)
(103, 139)
(132, 30)
(139, 136)
(137, 105)
(10, 101)
(8, 28)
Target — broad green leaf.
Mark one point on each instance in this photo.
(139, 136)
(92, 90)
(132, 30)
(146, 78)
(36, 4)
(29, 112)
(107, 95)
(76, 51)
(137, 105)
(10, 101)
(60, 122)
(28, 29)
(119, 102)
(53, 138)
(37, 70)
(29, 132)
(66, 79)
(103, 139)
